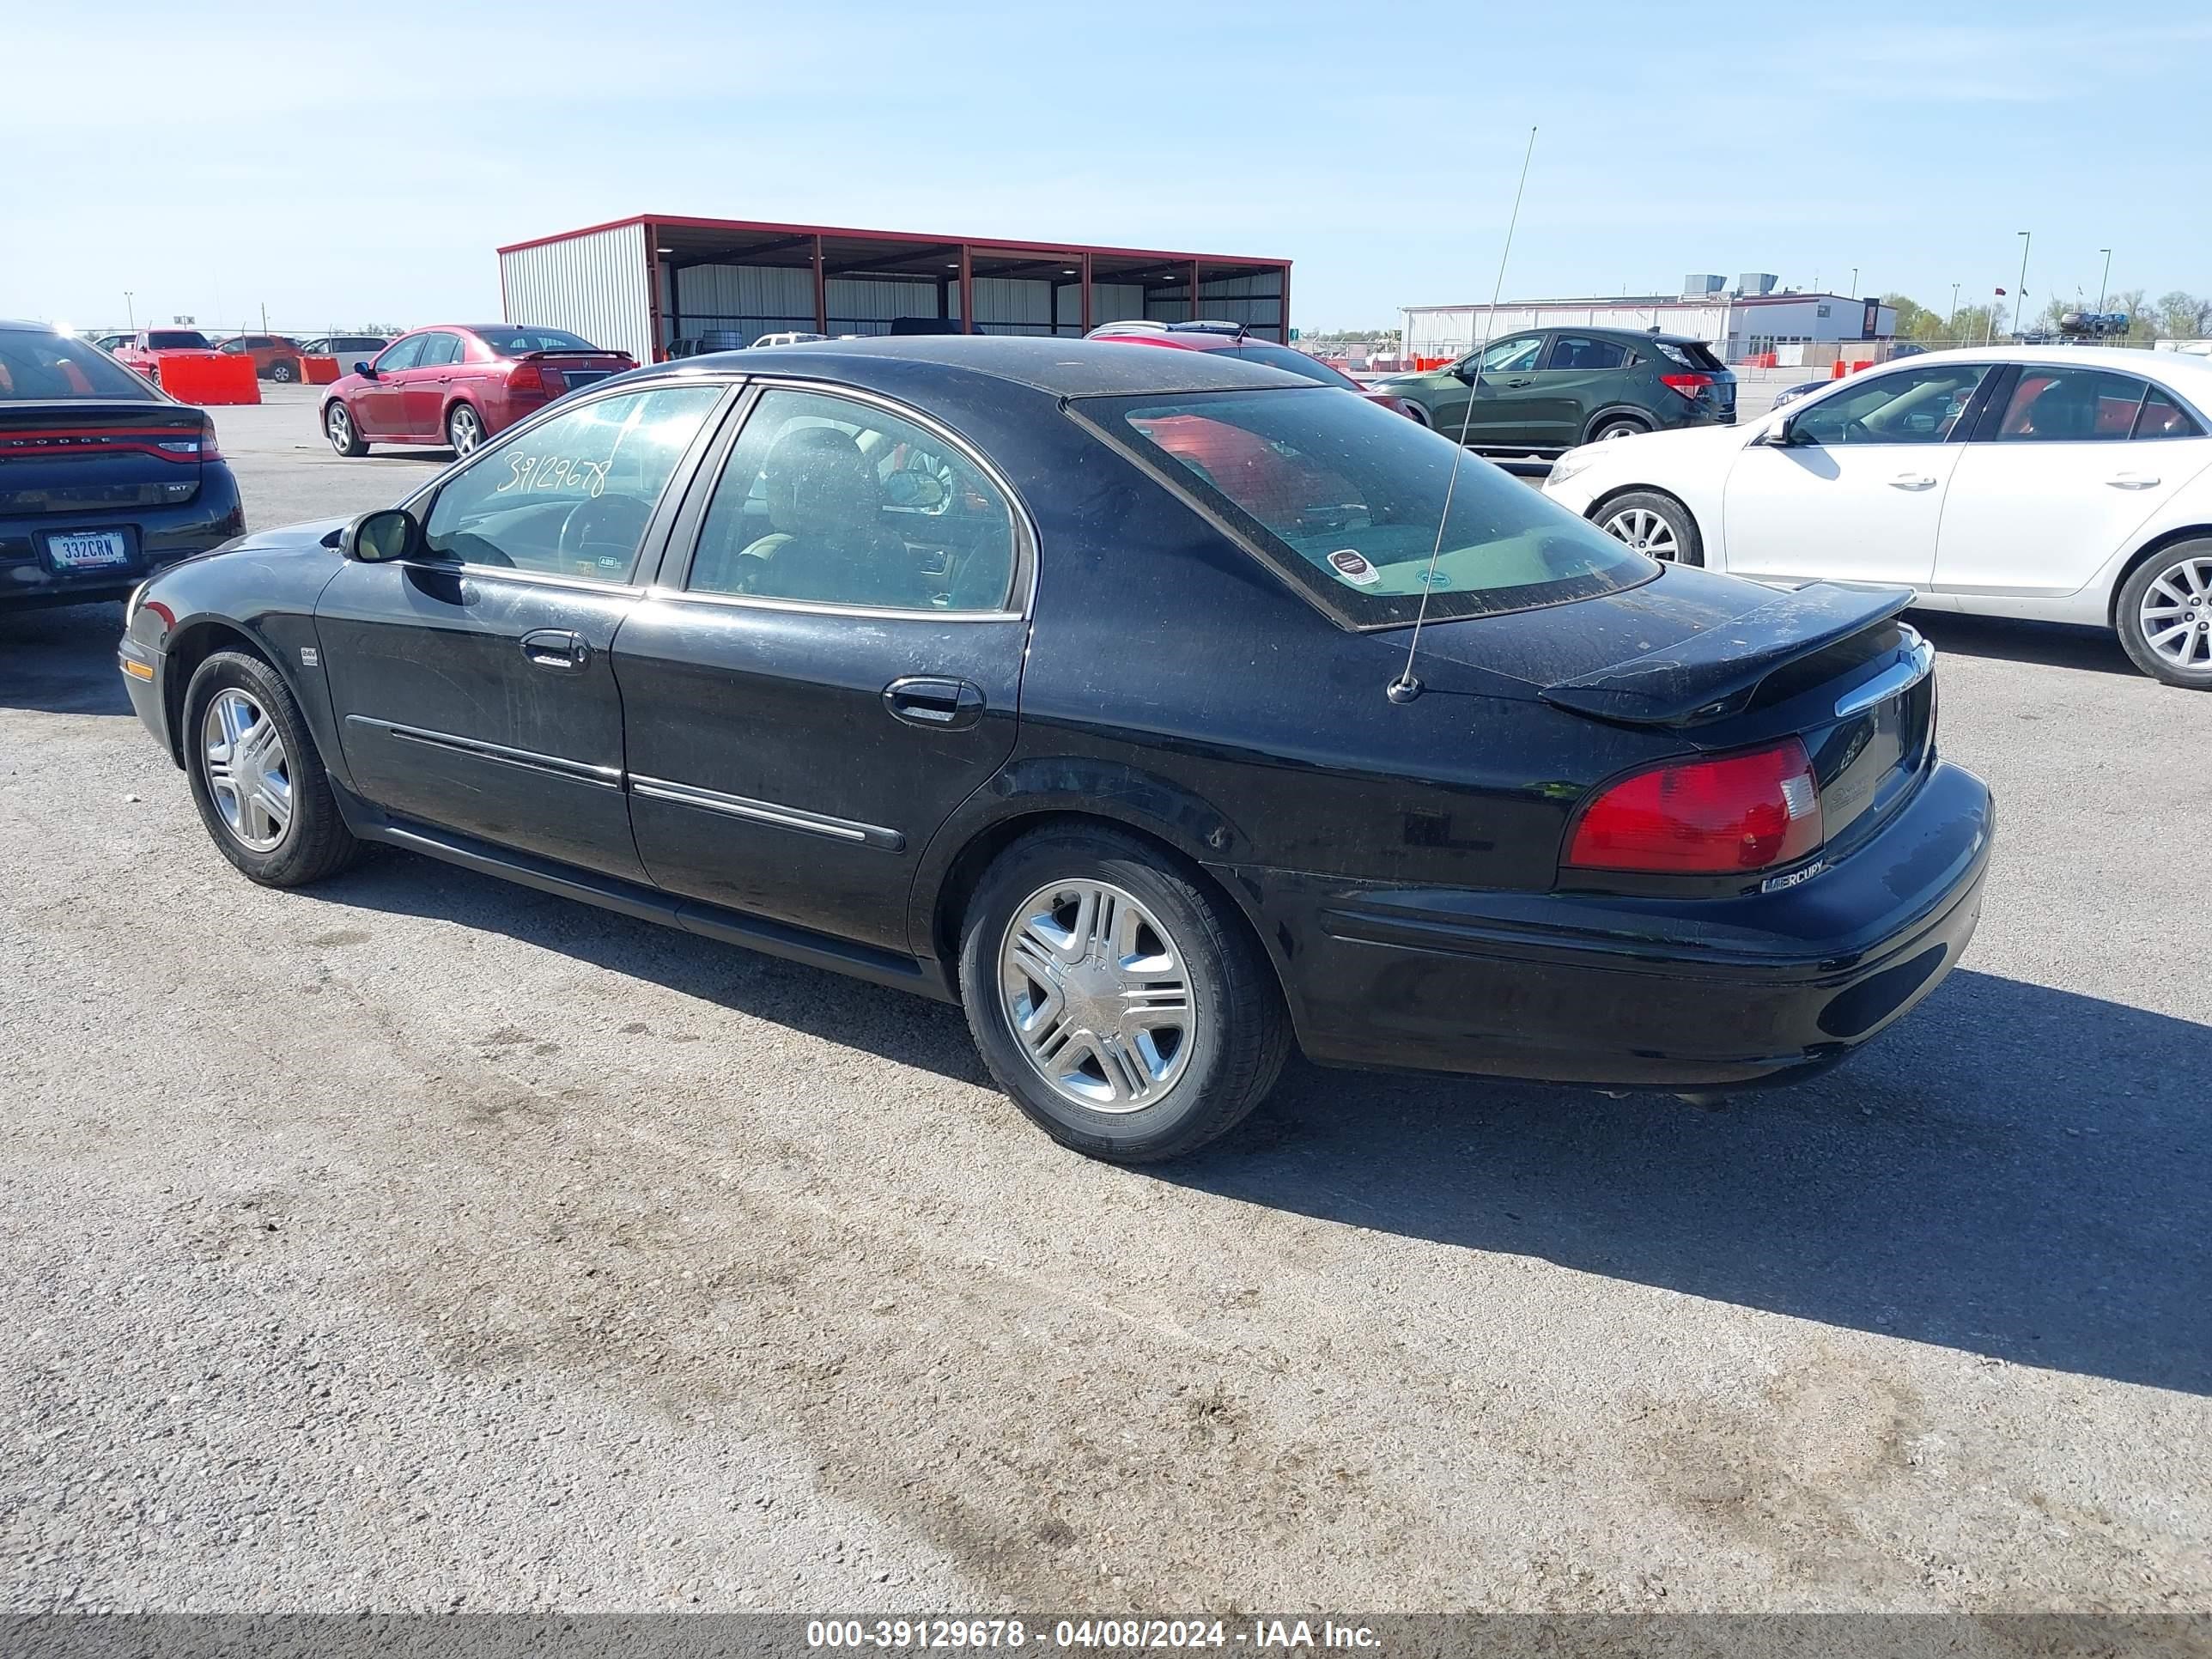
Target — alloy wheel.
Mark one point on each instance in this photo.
(2176, 614)
(1645, 531)
(464, 429)
(1620, 429)
(1095, 994)
(249, 772)
(338, 426)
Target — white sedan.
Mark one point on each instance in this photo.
(2057, 484)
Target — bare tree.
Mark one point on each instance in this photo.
(2184, 316)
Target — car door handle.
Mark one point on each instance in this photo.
(1524, 381)
(2133, 481)
(1912, 481)
(923, 700)
(557, 650)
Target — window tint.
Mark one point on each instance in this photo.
(841, 503)
(2070, 405)
(2162, 418)
(439, 350)
(1294, 362)
(1911, 406)
(40, 366)
(1343, 497)
(1572, 351)
(1689, 354)
(1512, 356)
(177, 339)
(514, 341)
(572, 495)
(405, 354)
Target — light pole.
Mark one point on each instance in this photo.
(2019, 298)
(1855, 282)
(1951, 321)
(2105, 284)
(129, 311)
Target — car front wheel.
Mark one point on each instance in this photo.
(1657, 525)
(1122, 1005)
(344, 436)
(2165, 616)
(256, 778)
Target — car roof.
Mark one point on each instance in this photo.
(2127, 359)
(1063, 368)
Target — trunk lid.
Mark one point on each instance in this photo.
(85, 455)
(565, 371)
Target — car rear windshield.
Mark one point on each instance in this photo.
(177, 339)
(1342, 496)
(514, 341)
(1689, 354)
(1275, 356)
(36, 366)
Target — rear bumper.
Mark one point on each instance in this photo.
(1636, 993)
(160, 536)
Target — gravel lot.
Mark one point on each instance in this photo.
(422, 1242)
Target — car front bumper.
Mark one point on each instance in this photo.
(1636, 993)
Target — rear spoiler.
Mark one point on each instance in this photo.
(1700, 675)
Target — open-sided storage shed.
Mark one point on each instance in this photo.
(655, 283)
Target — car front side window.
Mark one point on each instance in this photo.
(828, 502)
(405, 354)
(1916, 406)
(572, 495)
(1512, 356)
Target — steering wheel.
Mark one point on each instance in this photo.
(604, 527)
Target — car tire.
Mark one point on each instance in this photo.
(2170, 590)
(464, 429)
(338, 426)
(284, 373)
(256, 778)
(1654, 525)
(1033, 942)
(1420, 413)
(1617, 426)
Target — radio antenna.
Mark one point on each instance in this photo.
(1406, 688)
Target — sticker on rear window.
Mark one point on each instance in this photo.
(1352, 564)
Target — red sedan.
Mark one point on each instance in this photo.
(1236, 340)
(458, 384)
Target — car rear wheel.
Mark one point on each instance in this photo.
(464, 429)
(256, 778)
(284, 373)
(1657, 525)
(1617, 426)
(2165, 616)
(344, 436)
(1122, 1004)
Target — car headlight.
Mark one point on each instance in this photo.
(1572, 462)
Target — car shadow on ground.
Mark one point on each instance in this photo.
(2054, 645)
(61, 659)
(2014, 1172)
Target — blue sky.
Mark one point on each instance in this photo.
(361, 165)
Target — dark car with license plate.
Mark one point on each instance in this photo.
(104, 478)
(1079, 684)
(456, 385)
(1544, 389)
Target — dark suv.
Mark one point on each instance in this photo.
(1549, 389)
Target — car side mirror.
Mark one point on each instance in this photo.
(1783, 434)
(1467, 372)
(382, 537)
(366, 370)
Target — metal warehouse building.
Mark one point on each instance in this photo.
(1748, 320)
(643, 285)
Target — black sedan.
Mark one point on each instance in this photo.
(103, 477)
(1076, 683)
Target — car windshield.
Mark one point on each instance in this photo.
(514, 341)
(177, 339)
(37, 366)
(1343, 497)
(1298, 362)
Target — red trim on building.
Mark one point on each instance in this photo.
(676, 222)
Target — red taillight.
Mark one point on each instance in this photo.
(1721, 816)
(210, 449)
(1688, 384)
(525, 378)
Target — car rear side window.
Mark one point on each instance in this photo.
(2161, 416)
(2067, 404)
(1342, 497)
(36, 366)
(826, 501)
(1692, 354)
(571, 496)
(439, 350)
(1574, 351)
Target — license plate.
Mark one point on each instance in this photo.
(92, 550)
